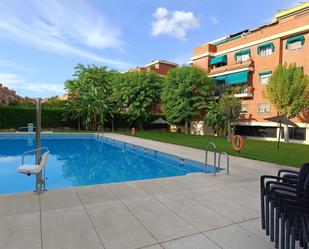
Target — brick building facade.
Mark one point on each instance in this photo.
(7, 95)
(246, 60)
(159, 66)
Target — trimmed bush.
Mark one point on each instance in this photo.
(14, 117)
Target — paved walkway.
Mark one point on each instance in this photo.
(196, 211)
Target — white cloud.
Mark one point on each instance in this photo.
(14, 64)
(173, 23)
(17, 83)
(64, 27)
(213, 19)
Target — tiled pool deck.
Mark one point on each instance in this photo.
(195, 211)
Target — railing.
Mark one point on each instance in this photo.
(32, 151)
(227, 162)
(232, 67)
(43, 178)
(215, 155)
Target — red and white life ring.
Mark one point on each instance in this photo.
(237, 143)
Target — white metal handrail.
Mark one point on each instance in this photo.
(31, 151)
(227, 162)
(215, 155)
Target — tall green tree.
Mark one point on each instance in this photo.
(53, 103)
(90, 95)
(230, 107)
(214, 118)
(135, 92)
(288, 91)
(185, 94)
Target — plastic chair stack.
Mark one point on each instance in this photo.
(285, 207)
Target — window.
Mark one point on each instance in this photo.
(256, 131)
(264, 79)
(266, 51)
(219, 61)
(242, 58)
(295, 133)
(295, 42)
(264, 108)
(295, 45)
(244, 109)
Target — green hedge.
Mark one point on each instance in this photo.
(121, 121)
(14, 117)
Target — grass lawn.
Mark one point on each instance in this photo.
(288, 154)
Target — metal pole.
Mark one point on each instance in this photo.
(38, 182)
(279, 136)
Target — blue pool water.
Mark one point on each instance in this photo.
(78, 160)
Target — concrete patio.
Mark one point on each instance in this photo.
(196, 211)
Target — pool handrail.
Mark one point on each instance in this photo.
(31, 151)
(215, 155)
(227, 161)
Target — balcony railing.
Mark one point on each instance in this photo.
(243, 91)
(247, 64)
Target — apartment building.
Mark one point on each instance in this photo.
(245, 60)
(159, 66)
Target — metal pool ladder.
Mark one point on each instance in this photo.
(227, 162)
(215, 158)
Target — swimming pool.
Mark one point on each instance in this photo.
(86, 159)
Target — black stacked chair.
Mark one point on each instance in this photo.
(285, 207)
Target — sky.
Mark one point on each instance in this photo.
(42, 40)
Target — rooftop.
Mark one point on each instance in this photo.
(161, 61)
(282, 14)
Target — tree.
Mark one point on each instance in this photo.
(53, 103)
(185, 94)
(288, 91)
(135, 92)
(214, 118)
(22, 104)
(230, 107)
(90, 95)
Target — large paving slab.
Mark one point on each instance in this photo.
(193, 211)
(234, 237)
(20, 231)
(198, 241)
(117, 226)
(18, 204)
(159, 220)
(68, 228)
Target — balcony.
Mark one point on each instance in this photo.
(243, 91)
(239, 91)
(236, 66)
(218, 70)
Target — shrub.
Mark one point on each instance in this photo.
(14, 117)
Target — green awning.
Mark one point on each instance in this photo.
(242, 52)
(266, 45)
(265, 72)
(220, 78)
(300, 38)
(237, 78)
(219, 59)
